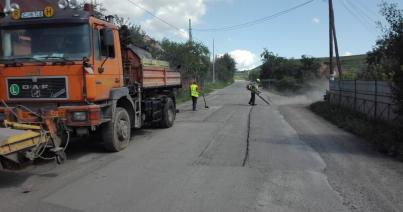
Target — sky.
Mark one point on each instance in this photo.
(303, 31)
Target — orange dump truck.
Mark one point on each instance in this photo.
(65, 73)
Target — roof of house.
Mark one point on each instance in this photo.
(142, 53)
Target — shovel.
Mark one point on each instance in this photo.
(205, 103)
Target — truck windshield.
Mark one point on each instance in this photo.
(67, 42)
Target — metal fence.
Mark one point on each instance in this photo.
(373, 98)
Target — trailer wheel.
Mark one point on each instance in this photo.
(168, 114)
(116, 134)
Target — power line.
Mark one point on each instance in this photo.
(360, 11)
(365, 7)
(160, 19)
(153, 15)
(357, 17)
(257, 21)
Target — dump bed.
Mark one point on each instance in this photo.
(141, 68)
(157, 73)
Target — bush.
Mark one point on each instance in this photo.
(291, 74)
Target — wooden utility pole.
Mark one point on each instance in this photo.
(213, 62)
(331, 38)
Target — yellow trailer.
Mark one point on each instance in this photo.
(12, 141)
(23, 143)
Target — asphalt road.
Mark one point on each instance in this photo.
(230, 157)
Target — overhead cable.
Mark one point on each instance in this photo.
(257, 21)
(363, 22)
(160, 19)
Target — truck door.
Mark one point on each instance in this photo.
(108, 71)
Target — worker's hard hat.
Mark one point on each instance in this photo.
(257, 80)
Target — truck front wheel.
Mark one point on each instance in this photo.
(168, 114)
(116, 134)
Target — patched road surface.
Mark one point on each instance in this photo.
(230, 157)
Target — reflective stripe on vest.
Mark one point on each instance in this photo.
(193, 90)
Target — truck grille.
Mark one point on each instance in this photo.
(37, 88)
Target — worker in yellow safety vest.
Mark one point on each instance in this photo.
(194, 93)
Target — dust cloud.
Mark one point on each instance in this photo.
(312, 91)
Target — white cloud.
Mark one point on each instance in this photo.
(316, 20)
(347, 53)
(174, 12)
(245, 60)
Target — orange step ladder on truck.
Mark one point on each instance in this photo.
(65, 73)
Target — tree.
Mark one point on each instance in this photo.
(290, 74)
(385, 61)
(225, 68)
(309, 67)
(191, 57)
(269, 60)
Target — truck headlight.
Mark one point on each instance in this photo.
(63, 4)
(73, 4)
(79, 116)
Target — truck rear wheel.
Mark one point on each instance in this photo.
(116, 134)
(168, 114)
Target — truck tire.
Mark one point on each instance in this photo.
(116, 133)
(168, 114)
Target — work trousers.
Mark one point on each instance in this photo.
(252, 98)
(194, 100)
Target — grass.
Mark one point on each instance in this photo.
(381, 134)
(183, 95)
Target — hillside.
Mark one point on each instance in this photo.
(350, 63)
(241, 75)
(353, 64)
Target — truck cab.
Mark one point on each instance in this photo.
(54, 49)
